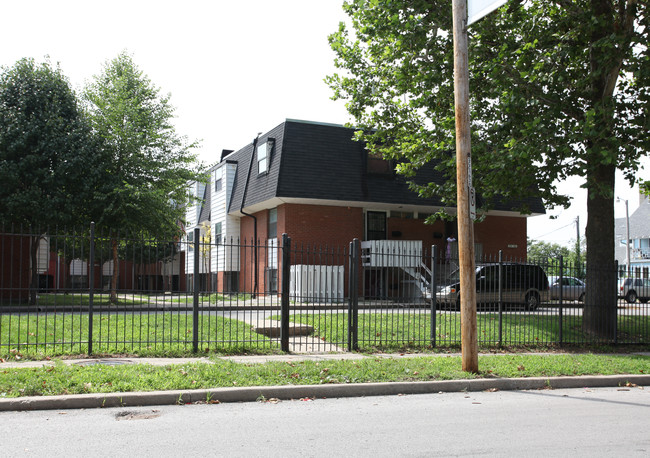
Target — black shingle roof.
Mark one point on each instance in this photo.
(322, 161)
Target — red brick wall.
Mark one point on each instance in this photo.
(320, 226)
(14, 268)
(497, 232)
(308, 226)
(415, 229)
(316, 227)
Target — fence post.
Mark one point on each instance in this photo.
(616, 305)
(561, 304)
(195, 304)
(284, 305)
(500, 298)
(433, 291)
(91, 287)
(353, 303)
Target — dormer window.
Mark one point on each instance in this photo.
(262, 158)
(377, 165)
(218, 175)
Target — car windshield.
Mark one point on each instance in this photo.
(454, 277)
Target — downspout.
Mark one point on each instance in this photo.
(241, 210)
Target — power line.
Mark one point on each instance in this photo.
(555, 230)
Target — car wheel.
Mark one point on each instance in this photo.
(630, 297)
(532, 301)
(581, 298)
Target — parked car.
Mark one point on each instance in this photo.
(524, 284)
(573, 289)
(633, 288)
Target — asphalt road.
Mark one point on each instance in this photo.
(579, 422)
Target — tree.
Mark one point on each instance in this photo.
(645, 187)
(549, 254)
(46, 153)
(147, 163)
(558, 89)
(538, 249)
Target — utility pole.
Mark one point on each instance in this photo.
(469, 339)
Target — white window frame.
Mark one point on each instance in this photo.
(262, 158)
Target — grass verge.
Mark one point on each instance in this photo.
(74, 379)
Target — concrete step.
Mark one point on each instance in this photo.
(271, 329)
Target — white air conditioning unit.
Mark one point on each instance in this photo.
(317, 283)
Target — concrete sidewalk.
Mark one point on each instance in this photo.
(248, 394)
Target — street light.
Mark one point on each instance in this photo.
(627, 235)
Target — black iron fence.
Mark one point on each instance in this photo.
(95, 293)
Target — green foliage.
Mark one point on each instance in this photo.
(539, 250)
(557, 90)
(47, 158)
(147, 165)
(645, 187)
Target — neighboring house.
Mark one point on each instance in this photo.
(639, 239)
(313, 182)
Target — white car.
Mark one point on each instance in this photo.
(634, 288)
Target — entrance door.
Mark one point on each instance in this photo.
(376, 226)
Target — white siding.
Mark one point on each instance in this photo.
(192, 215)
(194, 208)
(225, 257)
(43, 255)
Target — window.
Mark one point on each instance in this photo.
(375, 225)
(217, 232)
(273, 223)
(404, 215)
(190, 241)
(262, 159)
(377, 165)
(217, 185)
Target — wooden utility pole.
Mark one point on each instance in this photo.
(469, 339)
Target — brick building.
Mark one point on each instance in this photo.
(313, 182)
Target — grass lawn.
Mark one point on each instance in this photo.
(395, 331)
(73, 379)
(125, 299)
(158, 334)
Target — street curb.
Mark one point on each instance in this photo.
(285, 392)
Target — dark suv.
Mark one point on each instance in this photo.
(525, 284)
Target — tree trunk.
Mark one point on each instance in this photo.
(599, 318)
(116, 271)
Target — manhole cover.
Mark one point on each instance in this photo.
(105, 362)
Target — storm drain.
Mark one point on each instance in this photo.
(127, 415)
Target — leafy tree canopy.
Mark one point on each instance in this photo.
(538, 249)
(147, 164)
(558, 88)
(45, 148)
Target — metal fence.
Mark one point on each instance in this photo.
(97, 293)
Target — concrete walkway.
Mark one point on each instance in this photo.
(248, 394)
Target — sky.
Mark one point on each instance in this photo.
(233, 69)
